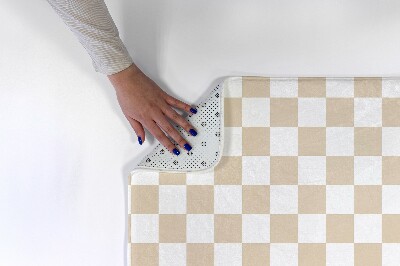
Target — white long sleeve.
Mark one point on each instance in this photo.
(95, 29)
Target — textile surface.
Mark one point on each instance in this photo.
(309, 175)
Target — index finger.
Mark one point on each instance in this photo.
(160, 136)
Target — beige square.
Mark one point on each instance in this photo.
(199, 254)
(255, 254)
(367, 199)
(255, 86)
(367, 254)
(312, 141)
(312, 87)
(283, 228)
(172, 228)
(339, 112)
(340, 170)
(391, 112)
(391, 228)
(228, 171)
(144, 254)
(227, 228)
(255, 199)
(367, 87)
(283, 112)
(340, 228)
(255, 141)
(312, 199)
(312, 254)
(391, 170)
(144, 199)
(233, 112)
(367, 141)
(200, 199)
(172, 178)
(283, 170)
(129, 228)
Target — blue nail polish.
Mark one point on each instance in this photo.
(140, 140)
(194, 111)
(176, 151)
(187, 147)
(193, 132)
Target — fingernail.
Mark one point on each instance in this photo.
(193, 110)
(193, 132)
(140, 140)
(176, 151)
(187, 147)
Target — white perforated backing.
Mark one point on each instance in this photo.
(206, 146)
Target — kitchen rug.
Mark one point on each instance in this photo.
(283, 171)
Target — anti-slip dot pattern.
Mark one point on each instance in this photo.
(309, 175)
(205, 146)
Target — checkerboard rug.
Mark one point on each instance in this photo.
(309, 174)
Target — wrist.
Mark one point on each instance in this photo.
(124, 76)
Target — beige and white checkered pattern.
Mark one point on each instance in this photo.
(310, 175)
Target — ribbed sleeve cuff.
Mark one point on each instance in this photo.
(110, 57)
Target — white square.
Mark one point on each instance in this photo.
(172, 199)
(283, 199)
(339, 254)
(227, 199)
(312, 112)
(144, 228)
(232, 141)
(200, 177)
(283, 254)
(391, 141)
(340, 87)
(312, 228)
(232, 87)
(284, 141)
(368, 170)
(144, 178)
(255, 228)
(255, 170)
(339, 199)
(200, 228)
(255, 112)
(367, 228)
(391, 199)
(172, 254)
(339, 141)
(367, 112)
(312, 170)
(390, 254)
(391, 87)
(283, 87)
(228, 254)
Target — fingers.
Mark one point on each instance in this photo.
(155, 130)
(174, 116)
(172, 132)
(138, 128)
(179, 104)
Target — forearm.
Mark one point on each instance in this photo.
(95, 29)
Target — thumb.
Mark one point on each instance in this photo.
(138, 128)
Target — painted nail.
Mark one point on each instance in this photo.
(193, 132)
(140, 140)
(176, 151)
(187, 147)
(193, 110)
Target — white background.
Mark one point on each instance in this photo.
(66, 150)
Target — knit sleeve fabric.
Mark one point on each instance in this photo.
(95, 29)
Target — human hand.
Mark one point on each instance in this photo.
(145, 104)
